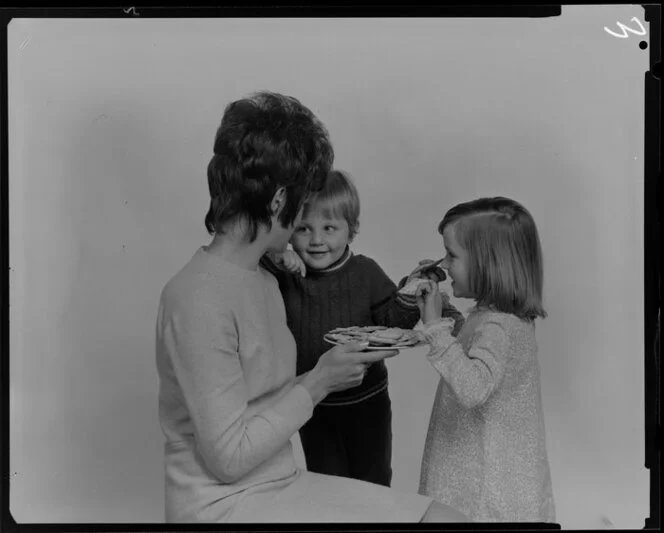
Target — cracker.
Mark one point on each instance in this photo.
(376, 336)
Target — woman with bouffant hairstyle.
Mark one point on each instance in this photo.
(265, 143)
(229, 400)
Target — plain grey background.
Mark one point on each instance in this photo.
(110, 130)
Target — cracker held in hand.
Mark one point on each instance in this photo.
(410, 288)
(376, 336)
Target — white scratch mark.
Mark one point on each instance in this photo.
(24, 44)
(626, 29)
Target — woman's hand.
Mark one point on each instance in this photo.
(341, 368)
(429, 301)
(289, 261)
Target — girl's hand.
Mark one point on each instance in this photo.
(429, 301)
(290, 262)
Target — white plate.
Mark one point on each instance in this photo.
(376, 348)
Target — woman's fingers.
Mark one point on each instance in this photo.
(374, 356)
(354, 346)
(354, 352)
(347, 364)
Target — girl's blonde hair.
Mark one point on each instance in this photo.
(504, 254)
(337, 199)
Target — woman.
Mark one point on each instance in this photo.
(229, 400)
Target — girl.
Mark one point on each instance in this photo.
(485, 450)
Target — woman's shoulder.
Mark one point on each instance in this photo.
(203, 281)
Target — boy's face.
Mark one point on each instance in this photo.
(456, 264)
(320, 240)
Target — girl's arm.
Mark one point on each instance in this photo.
(475, 375)
(202, 345)
(449, 311)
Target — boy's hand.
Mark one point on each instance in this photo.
(290, 262)
(429, 301)
(428, 269)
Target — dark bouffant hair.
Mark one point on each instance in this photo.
(265, 142)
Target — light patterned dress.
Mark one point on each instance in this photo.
(485, 451)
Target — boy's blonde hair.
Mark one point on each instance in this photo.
(337, 199)
(504, 254)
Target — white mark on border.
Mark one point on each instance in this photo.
(626, 29)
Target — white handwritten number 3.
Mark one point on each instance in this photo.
(625, 29)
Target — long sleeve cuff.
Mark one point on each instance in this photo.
(438, 334)
(407, 301)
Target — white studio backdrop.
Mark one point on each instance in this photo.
(111, 128)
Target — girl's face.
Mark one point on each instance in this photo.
(320, 240)
(456, 264)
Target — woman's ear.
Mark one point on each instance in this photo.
(278, 201)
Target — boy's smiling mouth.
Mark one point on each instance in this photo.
(318, 256)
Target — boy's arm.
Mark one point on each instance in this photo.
(269, 264)
(389, 308)
(285, 262)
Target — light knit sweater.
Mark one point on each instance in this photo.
(485, 451)
(228, 406)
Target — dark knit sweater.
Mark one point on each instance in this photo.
(354, 291)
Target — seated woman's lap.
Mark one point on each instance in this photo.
(320, 498)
